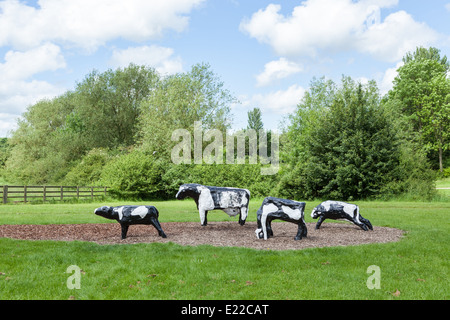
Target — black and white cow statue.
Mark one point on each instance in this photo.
(130, 215)
(283, 209)
(232, 201)
(340, 210)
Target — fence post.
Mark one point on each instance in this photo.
(92, 193)
(78, 192)
(105, 192)
(45, 189)
(62, 193)
(5, 194)
(25, 194)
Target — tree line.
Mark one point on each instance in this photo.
(343, 141)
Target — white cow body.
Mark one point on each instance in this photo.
(232, 201)
(339, 210)
(283, 209)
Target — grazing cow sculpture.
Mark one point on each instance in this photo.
(130, 215)
(283, 209)
(232, 201)
(340, 210)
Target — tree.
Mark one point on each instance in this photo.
(348, 147)
(5, 151)
(436, 109)
(431, 53)
(41, 149)
(133, 175)
(352, 151)
(177, 102)
(53, 135)
(254, 120)
(314, 102)
(422, 92)
(109, 104)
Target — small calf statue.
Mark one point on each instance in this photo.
(340, 210)
(283, 209)
(129, 215)
(232, 201)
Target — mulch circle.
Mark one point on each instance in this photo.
(220, 234)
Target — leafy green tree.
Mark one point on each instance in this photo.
(353, 149)
(431, 53)
(255, 120)
(41, 150)
(5, 151)
(135, 175)
(348, 147)
(88, 171)
(314, 102)
(422, 93)
(177, 102)
(55, 134)
(108, 106)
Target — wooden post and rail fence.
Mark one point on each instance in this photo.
(45, 193)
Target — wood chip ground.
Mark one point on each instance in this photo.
(220, 234)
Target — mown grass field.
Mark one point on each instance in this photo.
(417, 267)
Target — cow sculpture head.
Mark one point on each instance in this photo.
(315, 213)
(188, 190)
(105, 212)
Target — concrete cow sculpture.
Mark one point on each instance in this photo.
(340, 210)
(283, 209)
(129, 215)
(232, 201)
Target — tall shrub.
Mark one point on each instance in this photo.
(349, 150)
(133, 175)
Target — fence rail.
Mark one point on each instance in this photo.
(27, 193)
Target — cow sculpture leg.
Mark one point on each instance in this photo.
(153, 221)
(269, 227)
(156, 224)
(361, 225)
(243, 215)
(203, 217)
(124, 228)
(321, 219)
(366, 222)
(302, 230)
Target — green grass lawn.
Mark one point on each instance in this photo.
(417, 267)
(443, 183)
(444, 186)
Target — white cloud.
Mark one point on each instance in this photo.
(447, 6)
(17, 90)
(8, 123)
(338, 26)
(160, 58)
(22, 65)
(280, 102)
(276, 70)
(89, 24)
(398, 34)
(385, 83)
(35, 35)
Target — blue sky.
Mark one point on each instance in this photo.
(266, 52)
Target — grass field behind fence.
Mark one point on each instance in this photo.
(417, 267)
